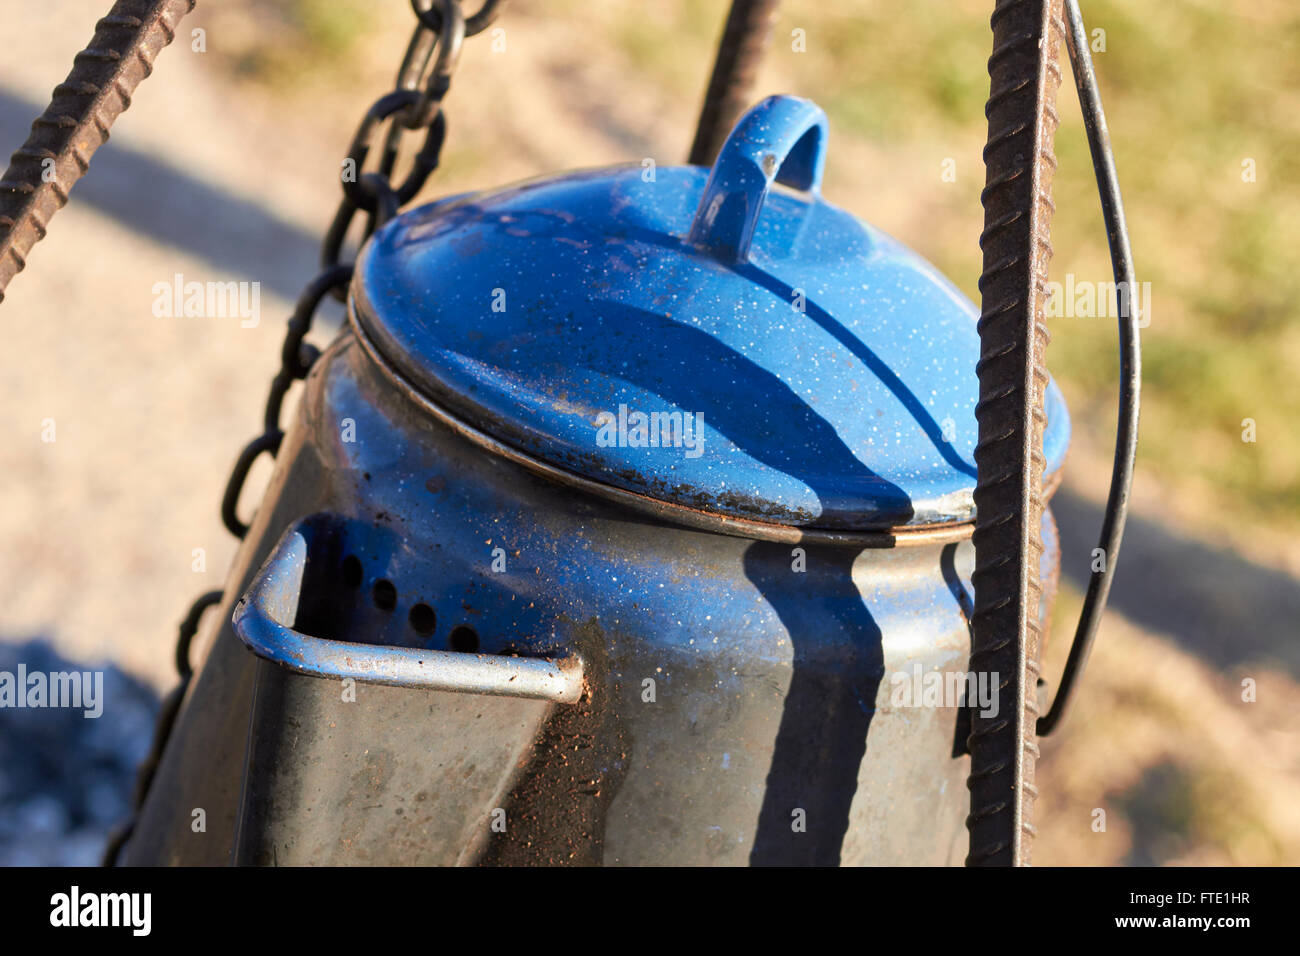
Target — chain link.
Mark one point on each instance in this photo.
(431, 16)
(423, 80)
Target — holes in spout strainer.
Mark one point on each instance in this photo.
(352, 571)
(421, 616)
(464, 639)
(422, 619)
(385, 594)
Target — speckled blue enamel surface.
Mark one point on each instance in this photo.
(532, 310)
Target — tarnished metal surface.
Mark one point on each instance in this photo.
(771, 689)
(390, 779)
(738, 695)
(76, 123)
(1012, 412)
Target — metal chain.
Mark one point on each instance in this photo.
(416, 103)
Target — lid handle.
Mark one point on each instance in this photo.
(782, 139)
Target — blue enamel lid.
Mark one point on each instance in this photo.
(695, 335)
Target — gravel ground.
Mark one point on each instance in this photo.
(66, 778)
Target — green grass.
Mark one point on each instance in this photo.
(302, 36)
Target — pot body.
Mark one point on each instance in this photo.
(741, 701)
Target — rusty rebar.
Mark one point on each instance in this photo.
(76, 123)
(1024, 79)
(740, 51)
